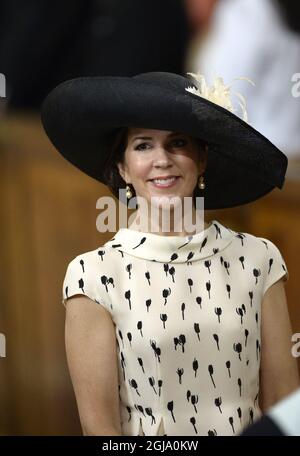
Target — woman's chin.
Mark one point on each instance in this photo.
(167, 201)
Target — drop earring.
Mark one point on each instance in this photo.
(201, 183)
(128, 192)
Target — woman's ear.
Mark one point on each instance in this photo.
(122, 172)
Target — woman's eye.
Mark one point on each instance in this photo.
(180, 142)
(142, 146)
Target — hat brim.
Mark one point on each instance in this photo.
(81, 115)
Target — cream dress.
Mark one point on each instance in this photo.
(187, 315)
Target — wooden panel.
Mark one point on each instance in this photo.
(48, 216)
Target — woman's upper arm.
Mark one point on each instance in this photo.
(278, 372)
(92, 359)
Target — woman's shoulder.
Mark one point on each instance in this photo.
(96, 255)
(250, 240)
(262, 251)
(261, 257)
(89, 274)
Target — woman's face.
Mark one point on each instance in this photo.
(152, 154)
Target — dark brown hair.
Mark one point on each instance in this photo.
(110, 171)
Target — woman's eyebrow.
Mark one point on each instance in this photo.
(141, 137)
(174, 133)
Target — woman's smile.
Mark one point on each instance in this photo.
(165, 183)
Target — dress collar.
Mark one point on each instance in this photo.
(173, 249)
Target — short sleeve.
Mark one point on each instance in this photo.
(81, 278)
(275, 268)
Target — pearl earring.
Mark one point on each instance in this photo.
(201, 183)
(128, 192)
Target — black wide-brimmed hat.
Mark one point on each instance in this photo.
(81, 116)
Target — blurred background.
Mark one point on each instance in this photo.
(48, 207)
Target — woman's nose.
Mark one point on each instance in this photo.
(162, 156)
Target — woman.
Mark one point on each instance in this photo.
(180, 331)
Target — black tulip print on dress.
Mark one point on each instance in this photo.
(193, 421)
(251, 297)
(194, 401)
(208, 287)
(211, 371)
(147, 275)
(195, 366)
(239, 412)
(101, 253)
(170, 406)
(186, 243)
(128, 269)
(216, 337)
(231, 424)
(228, 364)
(197, 330)
(149, 412)
(240, 313)
(246, 336)
(166, 293)
(188, 395)
(121, 336)
(218, 402)
(152, 383)
(172, 273)
(148, 304)
(127, 296)
(190, 282)
(81, 285)
(129, 336)
(189, 257)
(159, 382)
(129, 412)
(182, 309)
(256, 273)
(140, 327)
(180, 373)
(140, 243)
(240, 386)
(199, 300)
(238, 349)
(218, 312)
(164, 318)
(241, 236)
(173, 257)
(187, 319)
(228, 288)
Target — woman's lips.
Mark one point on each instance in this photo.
(165, 185)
